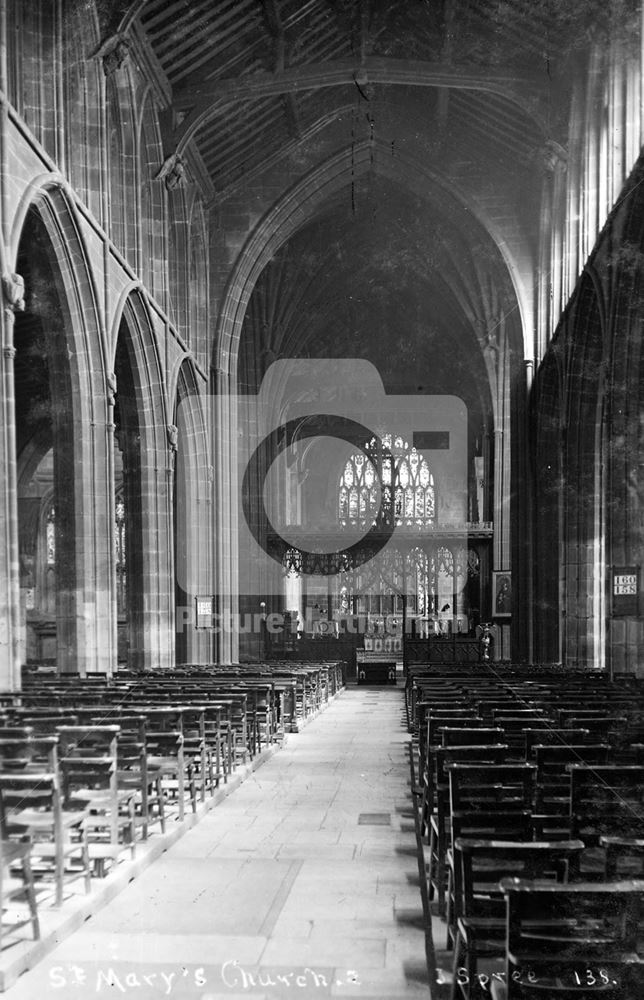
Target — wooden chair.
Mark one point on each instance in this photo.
(624, 857)
(502, 786)
(134, 774)
(89, 778)
(436, 783)
(429, 734)
(15, 858)
(473, 787)
(552, 793)
(479, 906)
(31, 805)
(165, 747)
(478, 825)
(606, 799)
(21, 750)
(196, 757)
(572, 942)
(443, 757)
(217, 739)
(550, 736)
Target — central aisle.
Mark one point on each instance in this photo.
(302, 883)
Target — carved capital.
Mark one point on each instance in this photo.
(13, 288)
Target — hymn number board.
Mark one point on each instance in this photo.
(204, 610)
(625, 587)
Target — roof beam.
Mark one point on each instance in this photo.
(198, 97)
(447, 51)
(276, 30)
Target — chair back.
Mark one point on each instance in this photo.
(577, 940)
(606, 799)
(462, 736)
(547, 736)
(491, 786)
(479, 866)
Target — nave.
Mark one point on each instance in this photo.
(308, 869)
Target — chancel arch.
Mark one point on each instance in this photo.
(331, 261)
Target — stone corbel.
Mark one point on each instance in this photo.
(173, 172)
(111, 388)
(487, 334)
(13, 289)
(172, 435)
(552, 157)
(114, 53)
(173, 438)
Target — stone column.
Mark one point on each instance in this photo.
(11, 627)
(83, 497)
(224, 425)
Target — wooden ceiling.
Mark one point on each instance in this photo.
(252, 80)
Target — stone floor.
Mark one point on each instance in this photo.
(302, 883)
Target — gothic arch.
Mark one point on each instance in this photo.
(297, 207)
(300, 204)
(62, 302)
(147, 442)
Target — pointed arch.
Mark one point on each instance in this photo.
(62, 310)
(147, 444)
(300, 204)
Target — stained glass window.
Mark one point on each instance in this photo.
(50, 531)
(121, 563)
(379, 483)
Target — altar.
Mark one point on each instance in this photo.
(375, 668)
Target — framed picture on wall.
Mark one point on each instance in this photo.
(501, 594)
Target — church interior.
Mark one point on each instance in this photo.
(322, 426)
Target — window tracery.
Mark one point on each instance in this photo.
(386, 480)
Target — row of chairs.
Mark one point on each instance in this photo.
(91, 767)
(521, 803)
